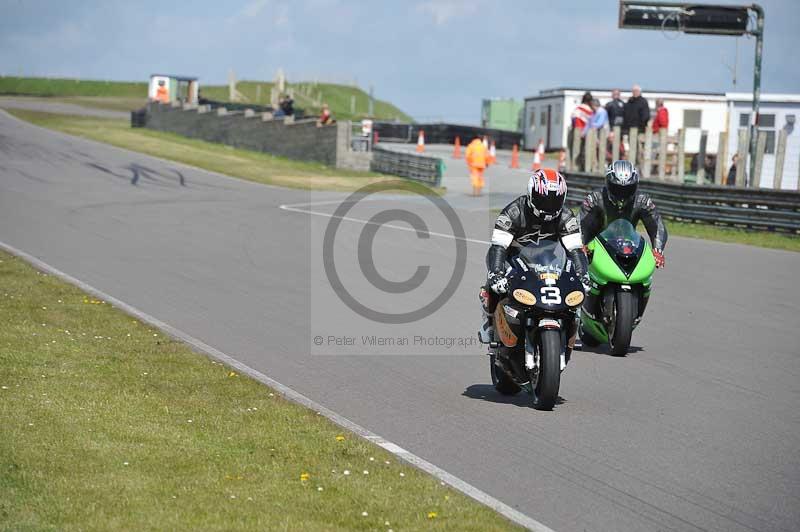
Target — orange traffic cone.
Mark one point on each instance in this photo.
(562, 160)
(457, 149)
(492, 154)
(421, 141)
(540, 149)
(514, 157)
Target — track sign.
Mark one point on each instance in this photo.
(685, 17)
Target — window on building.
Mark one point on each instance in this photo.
(692, 117)
(744, 120)
(557, 120)
(543, 118)
(766, 123)
(532, 121)
(766, 120)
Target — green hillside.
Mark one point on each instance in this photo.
(311, 96)
(71, 87)
(308, 96)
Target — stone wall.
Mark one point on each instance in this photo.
(301, 140)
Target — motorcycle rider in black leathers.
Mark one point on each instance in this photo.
(537, 215)
(621, 199)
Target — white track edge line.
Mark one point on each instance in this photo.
(452, 480)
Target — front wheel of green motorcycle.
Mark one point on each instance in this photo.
(625, 312)
(545, 387)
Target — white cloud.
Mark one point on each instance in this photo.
(444, 10)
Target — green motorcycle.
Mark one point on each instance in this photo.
(621, 270)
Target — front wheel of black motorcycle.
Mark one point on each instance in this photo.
(502, 383)
(620, 340)
(545, 390)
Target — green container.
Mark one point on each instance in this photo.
(504, 114)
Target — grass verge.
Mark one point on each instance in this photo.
(245, 164)
(109, 425)
(762, 239)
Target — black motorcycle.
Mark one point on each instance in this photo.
(534, 322)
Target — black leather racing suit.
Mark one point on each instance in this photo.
(517, 226)
(597, 212)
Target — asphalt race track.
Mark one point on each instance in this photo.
(697, 429)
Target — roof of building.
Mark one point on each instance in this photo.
(558, 90)
(770, 98)
(174, 76)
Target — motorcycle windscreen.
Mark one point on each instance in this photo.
(546, 256)
(623, 244)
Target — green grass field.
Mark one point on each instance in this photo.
(109, 425)
(120, 95)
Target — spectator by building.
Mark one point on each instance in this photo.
(616, 110)
(599, 119)
(637, 110)
(661, 120)
(162, 93)
(731, 180)
(583, 112)
(325, 117)
(287, 105)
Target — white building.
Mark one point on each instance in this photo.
(776, 112)
(548, 117)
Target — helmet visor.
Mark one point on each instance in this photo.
(621, 193)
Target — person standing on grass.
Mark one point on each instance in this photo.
(476, 155)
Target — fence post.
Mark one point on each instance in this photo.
(780, 155)
(741, 163)
(648, 151)
(633, 140)
(576, 147)
(602, 146)
(761, 144)
(662, 153)
(701, 158)
(615, 143)
(589, 155)
(722, 156)
(681, 162)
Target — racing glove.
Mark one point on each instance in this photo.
(659, 256)
(498, 283)
(587, 283)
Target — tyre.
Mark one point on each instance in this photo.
(586, 338)
(619, 340)
(545, 389)
(502, 383)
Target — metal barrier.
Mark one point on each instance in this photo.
(763, 209)
(444, 133)
(418, 167)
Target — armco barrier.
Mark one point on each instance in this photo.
(770, 210)
(418, 167)
(444, 133)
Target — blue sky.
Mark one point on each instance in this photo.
(436, 59)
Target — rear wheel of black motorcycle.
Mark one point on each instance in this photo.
(545, 390)
(502, 383)
(620, 340)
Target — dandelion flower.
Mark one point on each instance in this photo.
(232, 374)
(304, 476)
(339, 438)
(319, 488)
(431, 515)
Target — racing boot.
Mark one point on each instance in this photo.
(486, 332)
